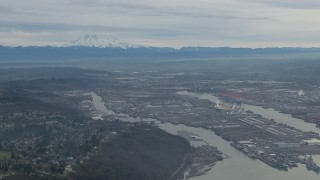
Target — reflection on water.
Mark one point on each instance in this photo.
(237, 167)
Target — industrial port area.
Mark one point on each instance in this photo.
(233, 119)
(160, 90)
(253, 128)
(280, 155)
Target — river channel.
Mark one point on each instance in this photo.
(267, 113)
(237, 167)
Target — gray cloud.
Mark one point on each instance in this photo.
(63, 27)
(11, 11)
(5, 9)
(294, 4)
(175, 22)
(129, 7)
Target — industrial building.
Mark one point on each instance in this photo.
(312, 142)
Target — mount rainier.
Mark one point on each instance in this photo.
(101, 41)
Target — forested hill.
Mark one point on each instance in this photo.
(141, 153)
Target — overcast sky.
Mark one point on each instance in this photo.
(175, 23)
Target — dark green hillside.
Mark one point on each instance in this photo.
(141, 153)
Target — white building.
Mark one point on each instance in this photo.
(301, 93)
(312, 142)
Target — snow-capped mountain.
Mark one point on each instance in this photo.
(101, 41)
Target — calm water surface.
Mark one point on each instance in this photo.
(236, 167)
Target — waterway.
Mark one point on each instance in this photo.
(237, 167)
(267, 113)
(287, 119)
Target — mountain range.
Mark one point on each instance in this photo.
(99, 46)
(101, 41)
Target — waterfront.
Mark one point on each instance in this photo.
(287, 119)
(237, 166)
(267, 113)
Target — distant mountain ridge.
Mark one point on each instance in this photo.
(87, 52)
(100, 46)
